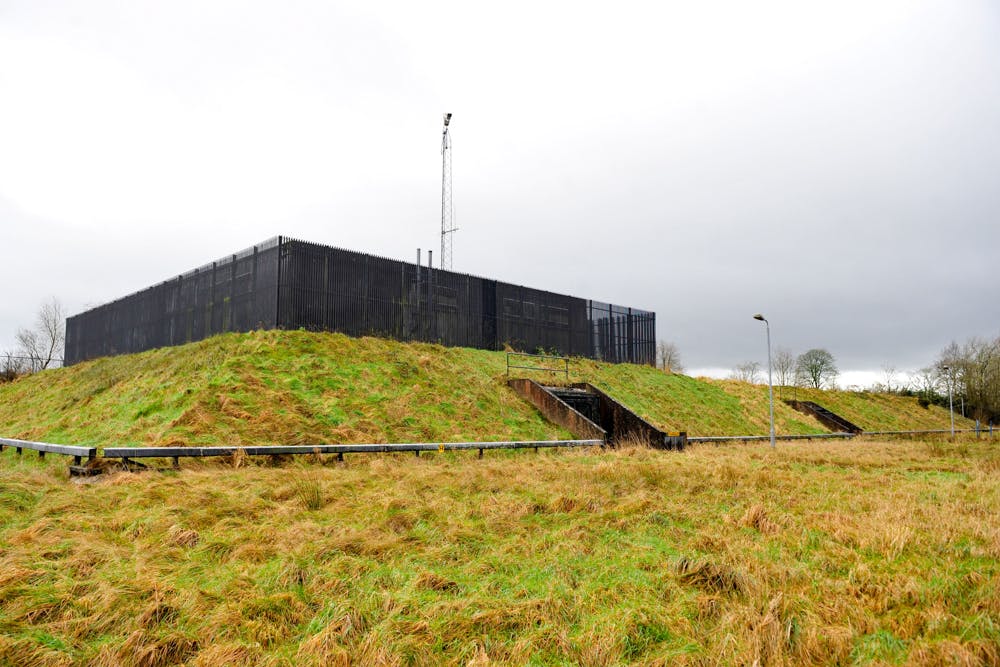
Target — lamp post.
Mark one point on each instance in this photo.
(770, 385)
(951, 406)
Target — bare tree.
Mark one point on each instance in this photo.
(783, 363)
(981, 377)
(42, 346)
(816, 368)
(926, 382)
(11, 367)
(669, 357)
(952, 367)
(889, 375)
(747, 372)
(974, 372)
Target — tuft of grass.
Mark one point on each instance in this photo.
(881, 647)
(143, 649)
(182, 537)
(756, 518)
(633, 441)
(435, 582)
(309, 492)
(712, 577)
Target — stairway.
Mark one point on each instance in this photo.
(586, 403)
(831, 420)
(588, 412)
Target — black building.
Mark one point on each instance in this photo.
(289, 284)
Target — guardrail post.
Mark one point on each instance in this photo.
(41, 454)
(18, 450)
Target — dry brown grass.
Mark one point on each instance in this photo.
(833, 553)
(711, 577)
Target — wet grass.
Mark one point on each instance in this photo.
(840, 553)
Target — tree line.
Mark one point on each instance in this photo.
(970, 371)
(815, 368)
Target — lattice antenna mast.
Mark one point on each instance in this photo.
(447, 208)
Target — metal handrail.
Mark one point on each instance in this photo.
(78, 453)
(844, 436)
(564, 370)
(271, 450)
(762, 438)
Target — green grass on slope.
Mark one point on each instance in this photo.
(876, 412)
(294, 387)
(682, 403)
(271, 387)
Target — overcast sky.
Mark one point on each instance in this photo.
(832, 165)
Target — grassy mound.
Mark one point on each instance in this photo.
(815, 553)
(275, 387)
(293, 387)
(879, 412)
(700, 407)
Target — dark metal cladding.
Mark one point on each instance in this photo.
(237, 293)
(290, 284)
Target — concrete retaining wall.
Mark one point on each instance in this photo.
(557, 411)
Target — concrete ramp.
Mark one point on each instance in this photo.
(585, 411)
(832, 421)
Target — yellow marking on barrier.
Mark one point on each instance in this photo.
(441, 447)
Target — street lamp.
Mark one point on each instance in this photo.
(770, 385)
(951, 407)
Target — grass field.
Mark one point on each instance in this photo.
(296, 387)
(856, 552)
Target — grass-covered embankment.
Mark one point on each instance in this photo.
(267, 387)
(815, 553)
(295, 387)
(695, 405)
(879, 412)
